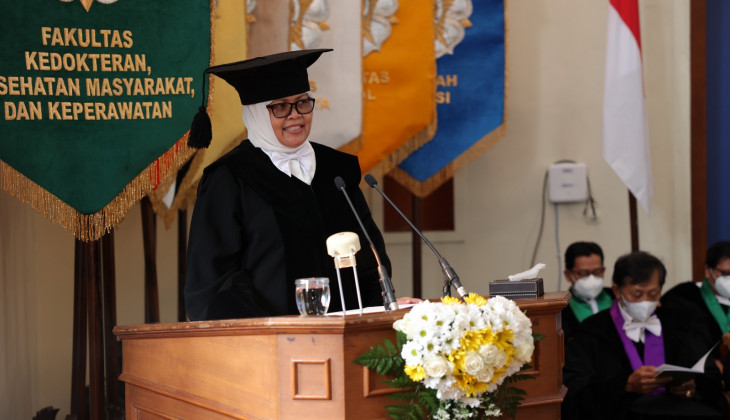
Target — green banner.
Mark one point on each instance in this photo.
(96, 95)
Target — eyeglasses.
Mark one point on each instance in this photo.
(283, 109)
(598, 272)
(722, 272)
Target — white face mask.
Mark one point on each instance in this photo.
(588, 287)
(640, 311)
(722, 285)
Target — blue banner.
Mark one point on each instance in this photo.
(470, 96)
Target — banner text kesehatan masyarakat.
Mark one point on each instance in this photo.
(115, 86)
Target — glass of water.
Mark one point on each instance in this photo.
(313, 295)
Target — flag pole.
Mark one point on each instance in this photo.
(634, 222)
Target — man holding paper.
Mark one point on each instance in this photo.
(610, 363)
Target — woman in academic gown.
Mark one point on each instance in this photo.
(265, 210)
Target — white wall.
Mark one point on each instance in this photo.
(556, 59)
(556, 52)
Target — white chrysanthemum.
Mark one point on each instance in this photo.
(412, 353)
(434, 331)
(444, 312)
(494, 321)
(461, 323)
(437, 367)
(476, 318)
(423, 330)
(514, 367)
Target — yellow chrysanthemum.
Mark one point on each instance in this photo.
(503, 341)
(416, 373)
(475, 299)
(473, 339)
(450, 300)
(469, 384)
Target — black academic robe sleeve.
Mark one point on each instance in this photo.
(218, 286)
(595, 372)
(701, 328)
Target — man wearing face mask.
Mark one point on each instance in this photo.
(584, 271)
(610, 361)
(706, 306)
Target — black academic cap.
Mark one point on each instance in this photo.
(256, 80)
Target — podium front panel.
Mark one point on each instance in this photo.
(296, 367)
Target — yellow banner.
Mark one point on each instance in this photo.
(399, 81)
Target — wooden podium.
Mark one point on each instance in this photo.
(295, 367)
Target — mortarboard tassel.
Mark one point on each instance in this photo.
(201, 132)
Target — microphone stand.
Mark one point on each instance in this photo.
(450, 276)
(389, 300)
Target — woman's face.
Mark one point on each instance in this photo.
(292, 130)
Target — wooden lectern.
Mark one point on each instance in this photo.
(296, 367)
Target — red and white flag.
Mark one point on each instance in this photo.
(625, 128)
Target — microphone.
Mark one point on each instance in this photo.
(450, 276)
(389, 300)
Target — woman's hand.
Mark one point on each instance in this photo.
(643, 380)
(408, 300)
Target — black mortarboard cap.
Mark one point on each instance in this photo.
(256, 80)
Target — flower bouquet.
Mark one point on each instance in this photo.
(456, 359)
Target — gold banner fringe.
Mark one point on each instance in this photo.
(407, 148)
(188, 189)
(90, 227)
(422, 189)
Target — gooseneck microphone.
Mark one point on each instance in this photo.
(450, 276)
(389, 300)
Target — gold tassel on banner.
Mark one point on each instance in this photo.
(410, 146)
(90, 227)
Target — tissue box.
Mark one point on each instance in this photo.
(518, 289)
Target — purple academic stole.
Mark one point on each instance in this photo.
(653, 345)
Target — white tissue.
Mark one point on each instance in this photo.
(529, 274)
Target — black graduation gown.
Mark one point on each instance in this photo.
(255, 230)
(596, 370)
(686, 298)
(570, 321)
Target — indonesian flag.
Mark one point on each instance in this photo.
(625, 128)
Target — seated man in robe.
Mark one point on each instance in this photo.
(706, 306)
(610, 363)
(584, 271)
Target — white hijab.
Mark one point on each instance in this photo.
(294, 161)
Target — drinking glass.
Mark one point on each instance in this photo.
(313, 295)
